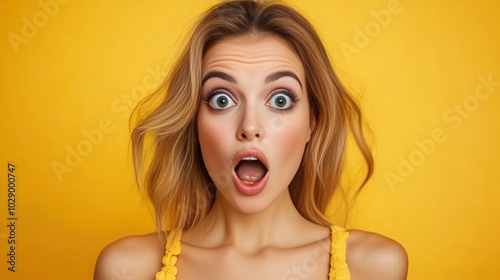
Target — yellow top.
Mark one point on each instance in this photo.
(338, 265)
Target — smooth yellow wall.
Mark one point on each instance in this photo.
(68, 83)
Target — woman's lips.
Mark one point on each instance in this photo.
(247, 187)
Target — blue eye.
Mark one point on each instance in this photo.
(280, 101)
(221, 101)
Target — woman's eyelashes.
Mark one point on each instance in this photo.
(280, 100)
(283, 100)
(219, 100)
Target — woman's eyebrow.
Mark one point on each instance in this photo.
(280, 74)
(218, 74)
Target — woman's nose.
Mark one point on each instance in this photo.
(251, 126)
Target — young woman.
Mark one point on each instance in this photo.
(248, 147)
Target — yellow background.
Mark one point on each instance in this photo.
(86, 62)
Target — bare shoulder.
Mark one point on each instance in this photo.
(373, 256)
(132, 257)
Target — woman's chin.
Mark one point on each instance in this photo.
(251, 204)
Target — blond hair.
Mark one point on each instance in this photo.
(175, 178)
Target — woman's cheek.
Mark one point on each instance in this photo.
(292, 145)
(214, 147)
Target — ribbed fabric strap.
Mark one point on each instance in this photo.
(173, 249)
(338, 264)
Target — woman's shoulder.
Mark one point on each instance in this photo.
(373, 256)
(134, 257)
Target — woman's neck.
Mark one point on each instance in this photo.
(279, 225)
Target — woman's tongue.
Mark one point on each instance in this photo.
(250, 171)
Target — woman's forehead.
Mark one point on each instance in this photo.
(252, 51)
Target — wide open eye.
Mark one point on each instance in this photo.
(282, 100)
(221, 101)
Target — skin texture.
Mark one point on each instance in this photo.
(259, 236)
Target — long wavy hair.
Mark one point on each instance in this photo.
(166, 153)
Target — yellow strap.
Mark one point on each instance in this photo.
(338, 265)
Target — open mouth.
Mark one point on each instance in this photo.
(250, 170)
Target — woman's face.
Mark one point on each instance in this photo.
(254, 120)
